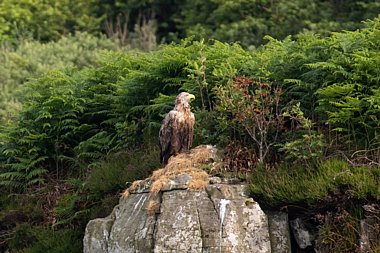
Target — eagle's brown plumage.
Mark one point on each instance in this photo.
(177, 130)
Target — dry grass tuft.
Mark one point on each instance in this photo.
(158, 184)
(179, 163)
(200, 155)
(199, 180)
(157, 174)
(125, 193)
(185, 163)
(197, 184)
(152, 207)
(135, 185)
(199, 174)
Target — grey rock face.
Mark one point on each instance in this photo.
(302, 234)
(97, 235)
(279, 232)
(129, 228)
(369, 236)
(220, 218)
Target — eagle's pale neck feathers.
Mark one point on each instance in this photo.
(183, 106)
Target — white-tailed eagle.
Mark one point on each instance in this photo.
(177, 130)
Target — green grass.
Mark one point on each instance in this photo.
(339, 231)
(289, 185)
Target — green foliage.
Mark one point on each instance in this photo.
(30, 59)
(255, 105)
(339, 231)
(67, 210)
(22, 237)
(295, 185)
(249, 21)
(73, 118)
(149, 91)
(167, 20)
(350, 93)
(212, 127)
(46, 20)
(137, 20)
(308, 148)
(78, 115)
(113, 174)
(31, 239)
(18, 208)
(334, 79)
(22, 171)
(48, 118)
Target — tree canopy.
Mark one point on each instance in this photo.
(230, 21)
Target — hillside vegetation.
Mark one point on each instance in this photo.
(294, 97)
(145, 21)
(80, 113)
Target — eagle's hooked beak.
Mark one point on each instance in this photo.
(191, 97)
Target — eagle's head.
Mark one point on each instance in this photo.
(183, 100)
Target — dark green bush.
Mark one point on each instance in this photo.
(112, 174)
(104, 206)
(71, 118)
(334, 79)
(45, 21)
(18, 208)
(30, 59)
(291, 184)
(34, 239)
(22, 237)
(249, 21)
(75, 118)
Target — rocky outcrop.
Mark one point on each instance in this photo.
(220, 218)
(184, 215)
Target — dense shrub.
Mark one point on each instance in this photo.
(254, 105)
(168, 20)
(241, 20)
(76, 117)
(334, 79)
(30, 239)
(117, 170)
(29, 59)
(292, 184)
(45, 20)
